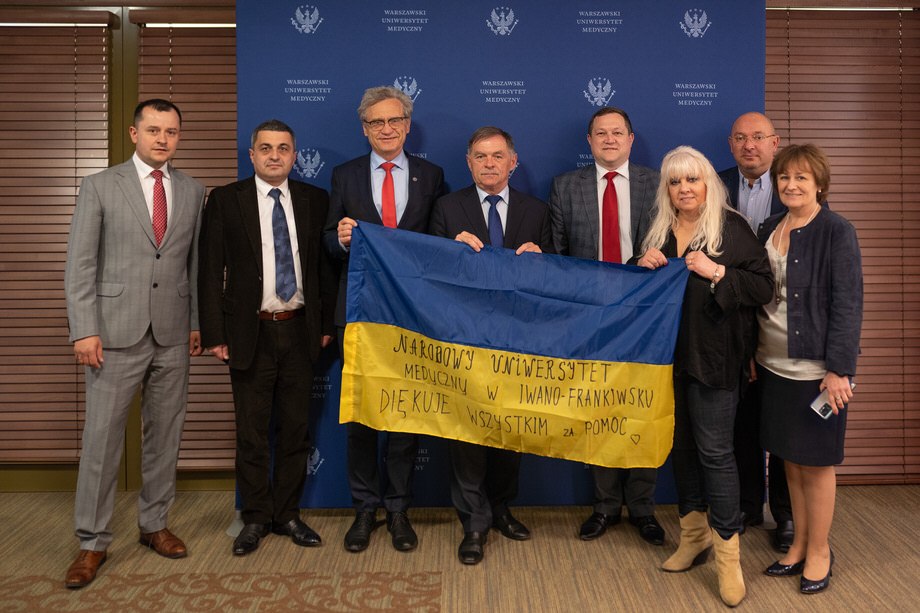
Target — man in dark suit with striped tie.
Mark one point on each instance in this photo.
(266, 296)
(385, 187)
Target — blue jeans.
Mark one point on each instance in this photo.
(703, 453)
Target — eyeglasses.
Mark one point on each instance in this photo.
(740, 139)
(394, 122)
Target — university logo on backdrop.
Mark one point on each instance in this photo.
(306, 19)
(309, 163)
(600, 91)
(408, 86)
(502, 21)
(695, 23)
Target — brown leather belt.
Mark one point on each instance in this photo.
(280, 315)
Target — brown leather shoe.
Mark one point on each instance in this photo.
(83, 570)
(164, 543)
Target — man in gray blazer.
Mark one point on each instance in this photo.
(134, 321)
(603, 212)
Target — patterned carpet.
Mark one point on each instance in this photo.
(206, 592)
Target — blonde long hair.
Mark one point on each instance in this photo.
(681, 162)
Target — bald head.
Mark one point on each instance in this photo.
(752, 156)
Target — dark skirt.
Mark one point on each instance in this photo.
(789, 427)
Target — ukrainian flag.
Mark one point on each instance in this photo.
(543, 354)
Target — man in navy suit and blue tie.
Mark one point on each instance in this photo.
(484, 480)
(753, 143)
(603, 212)
(390, 188)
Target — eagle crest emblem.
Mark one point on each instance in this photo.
(695, 23)
(306, 19)
(408, 86)
(309, 163)
(599, 92)
(502, 21)
(314, 461)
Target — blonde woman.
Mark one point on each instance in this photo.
(730, 278)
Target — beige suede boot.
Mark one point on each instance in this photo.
(694, 546)
(728, 567)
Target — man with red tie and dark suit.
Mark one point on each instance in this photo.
(266, 295)
(603, 212)
(390, 188)
(484, 479)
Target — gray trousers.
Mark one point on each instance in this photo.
(163, 374)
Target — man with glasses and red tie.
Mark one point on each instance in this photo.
(390, 188)
(602, 212)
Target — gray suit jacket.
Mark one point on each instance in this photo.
(574, 209)
(118, 283)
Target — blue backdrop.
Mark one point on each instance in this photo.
(537, 69)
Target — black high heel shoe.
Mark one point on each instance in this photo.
(785, 570)
(813, 587)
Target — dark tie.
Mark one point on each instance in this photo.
(496, 235)
(285, 279)
(610, 222)
(387, 198)
(159, 206)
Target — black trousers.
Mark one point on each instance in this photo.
(278, 383)
(400, 450)
(614, 487)
(483, 480)
(750, 459)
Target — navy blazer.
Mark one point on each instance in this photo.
(351, 196)
(528, 219)
(824, 290)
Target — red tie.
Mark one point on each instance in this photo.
(610, 222)
(387, 199)
(159, 206)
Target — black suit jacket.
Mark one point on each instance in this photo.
(231, 241)
(352, 197)
(731, 177)
(528, 219)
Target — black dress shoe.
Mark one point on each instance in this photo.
(596, 525)
(358, 536)
(785, 570)
(813, 587)
(470, 551)
(299, 532)
(649, 529)
(750, 519)
(248, 539)
(783, 535)
(404, 537)
(510, 527)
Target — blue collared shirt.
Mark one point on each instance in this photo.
(754, 201)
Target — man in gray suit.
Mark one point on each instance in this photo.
(133, 321)
(603, 212)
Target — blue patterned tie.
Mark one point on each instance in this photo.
(285, 279)
(496, 235)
